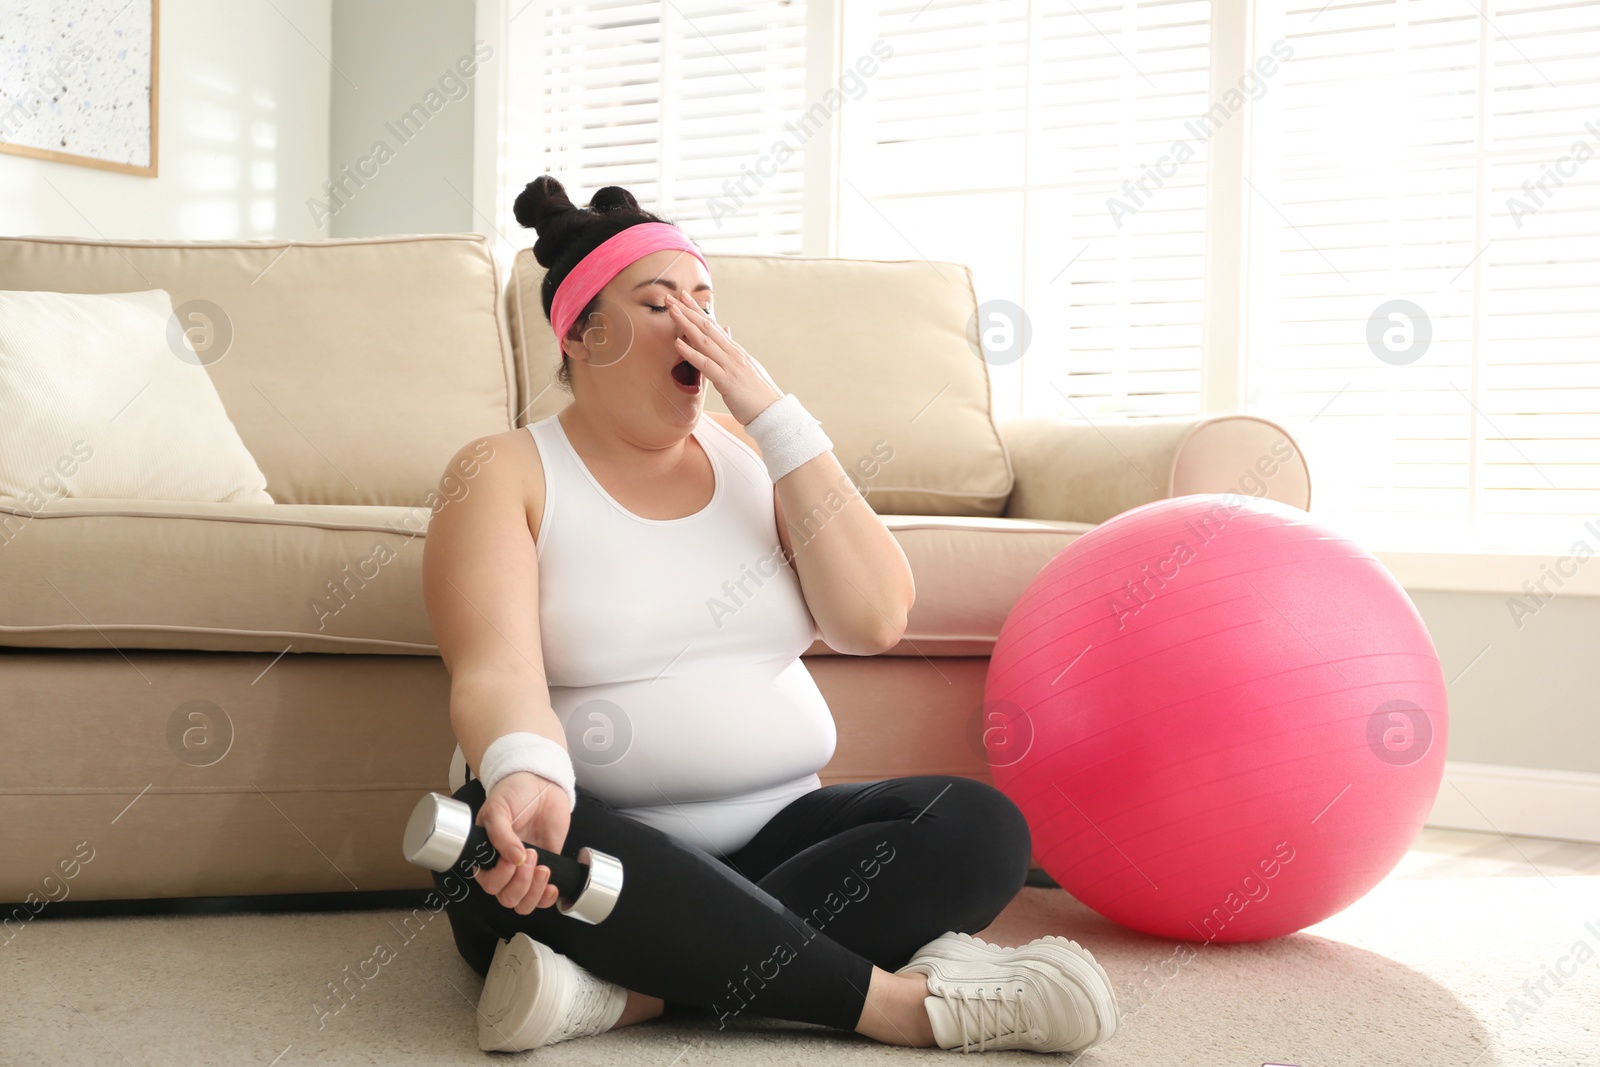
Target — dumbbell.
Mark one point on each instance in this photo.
(442, 836)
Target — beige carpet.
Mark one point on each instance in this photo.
(1421, 972)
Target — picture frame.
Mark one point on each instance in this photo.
(90, 96)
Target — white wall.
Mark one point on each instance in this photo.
(1527, 696)
(414, 76)
(243, 111)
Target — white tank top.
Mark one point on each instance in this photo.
(672, 648)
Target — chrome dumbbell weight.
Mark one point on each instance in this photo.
(442, 836)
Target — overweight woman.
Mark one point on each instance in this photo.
(622, 607)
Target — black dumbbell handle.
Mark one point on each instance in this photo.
(566, 873)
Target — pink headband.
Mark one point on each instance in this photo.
(606, 262)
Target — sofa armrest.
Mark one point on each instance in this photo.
(1087, 472)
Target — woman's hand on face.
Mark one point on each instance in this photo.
(744, 384)
(523, 807)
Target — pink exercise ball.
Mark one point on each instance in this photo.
(1222, 720)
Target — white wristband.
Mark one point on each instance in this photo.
(532, 752)
(788, 434)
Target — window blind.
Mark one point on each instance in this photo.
(1051, 147)
(683, 103)
(1438, 153)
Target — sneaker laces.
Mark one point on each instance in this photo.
(591, 1006)
(1009, 1013)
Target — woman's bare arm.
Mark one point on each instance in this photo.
(480, 583)
(855, 576)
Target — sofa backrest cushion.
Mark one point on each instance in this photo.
(353, 369)
(884, 353)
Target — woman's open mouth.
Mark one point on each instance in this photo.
(687, 377)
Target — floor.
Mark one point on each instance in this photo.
(1478, 950)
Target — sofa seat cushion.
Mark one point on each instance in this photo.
(214, 577)
(128, 574)
(969, 571)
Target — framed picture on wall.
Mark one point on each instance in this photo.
(78, 82)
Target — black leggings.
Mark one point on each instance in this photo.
(790, 925)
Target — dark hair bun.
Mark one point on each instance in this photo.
(545, 207)
(540, 202)
(613, 198)
(564, 227)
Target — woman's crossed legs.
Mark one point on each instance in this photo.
(841, 886)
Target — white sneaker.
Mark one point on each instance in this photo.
(535, 996)
(1046, 996)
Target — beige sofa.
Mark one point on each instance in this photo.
(220, 699)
